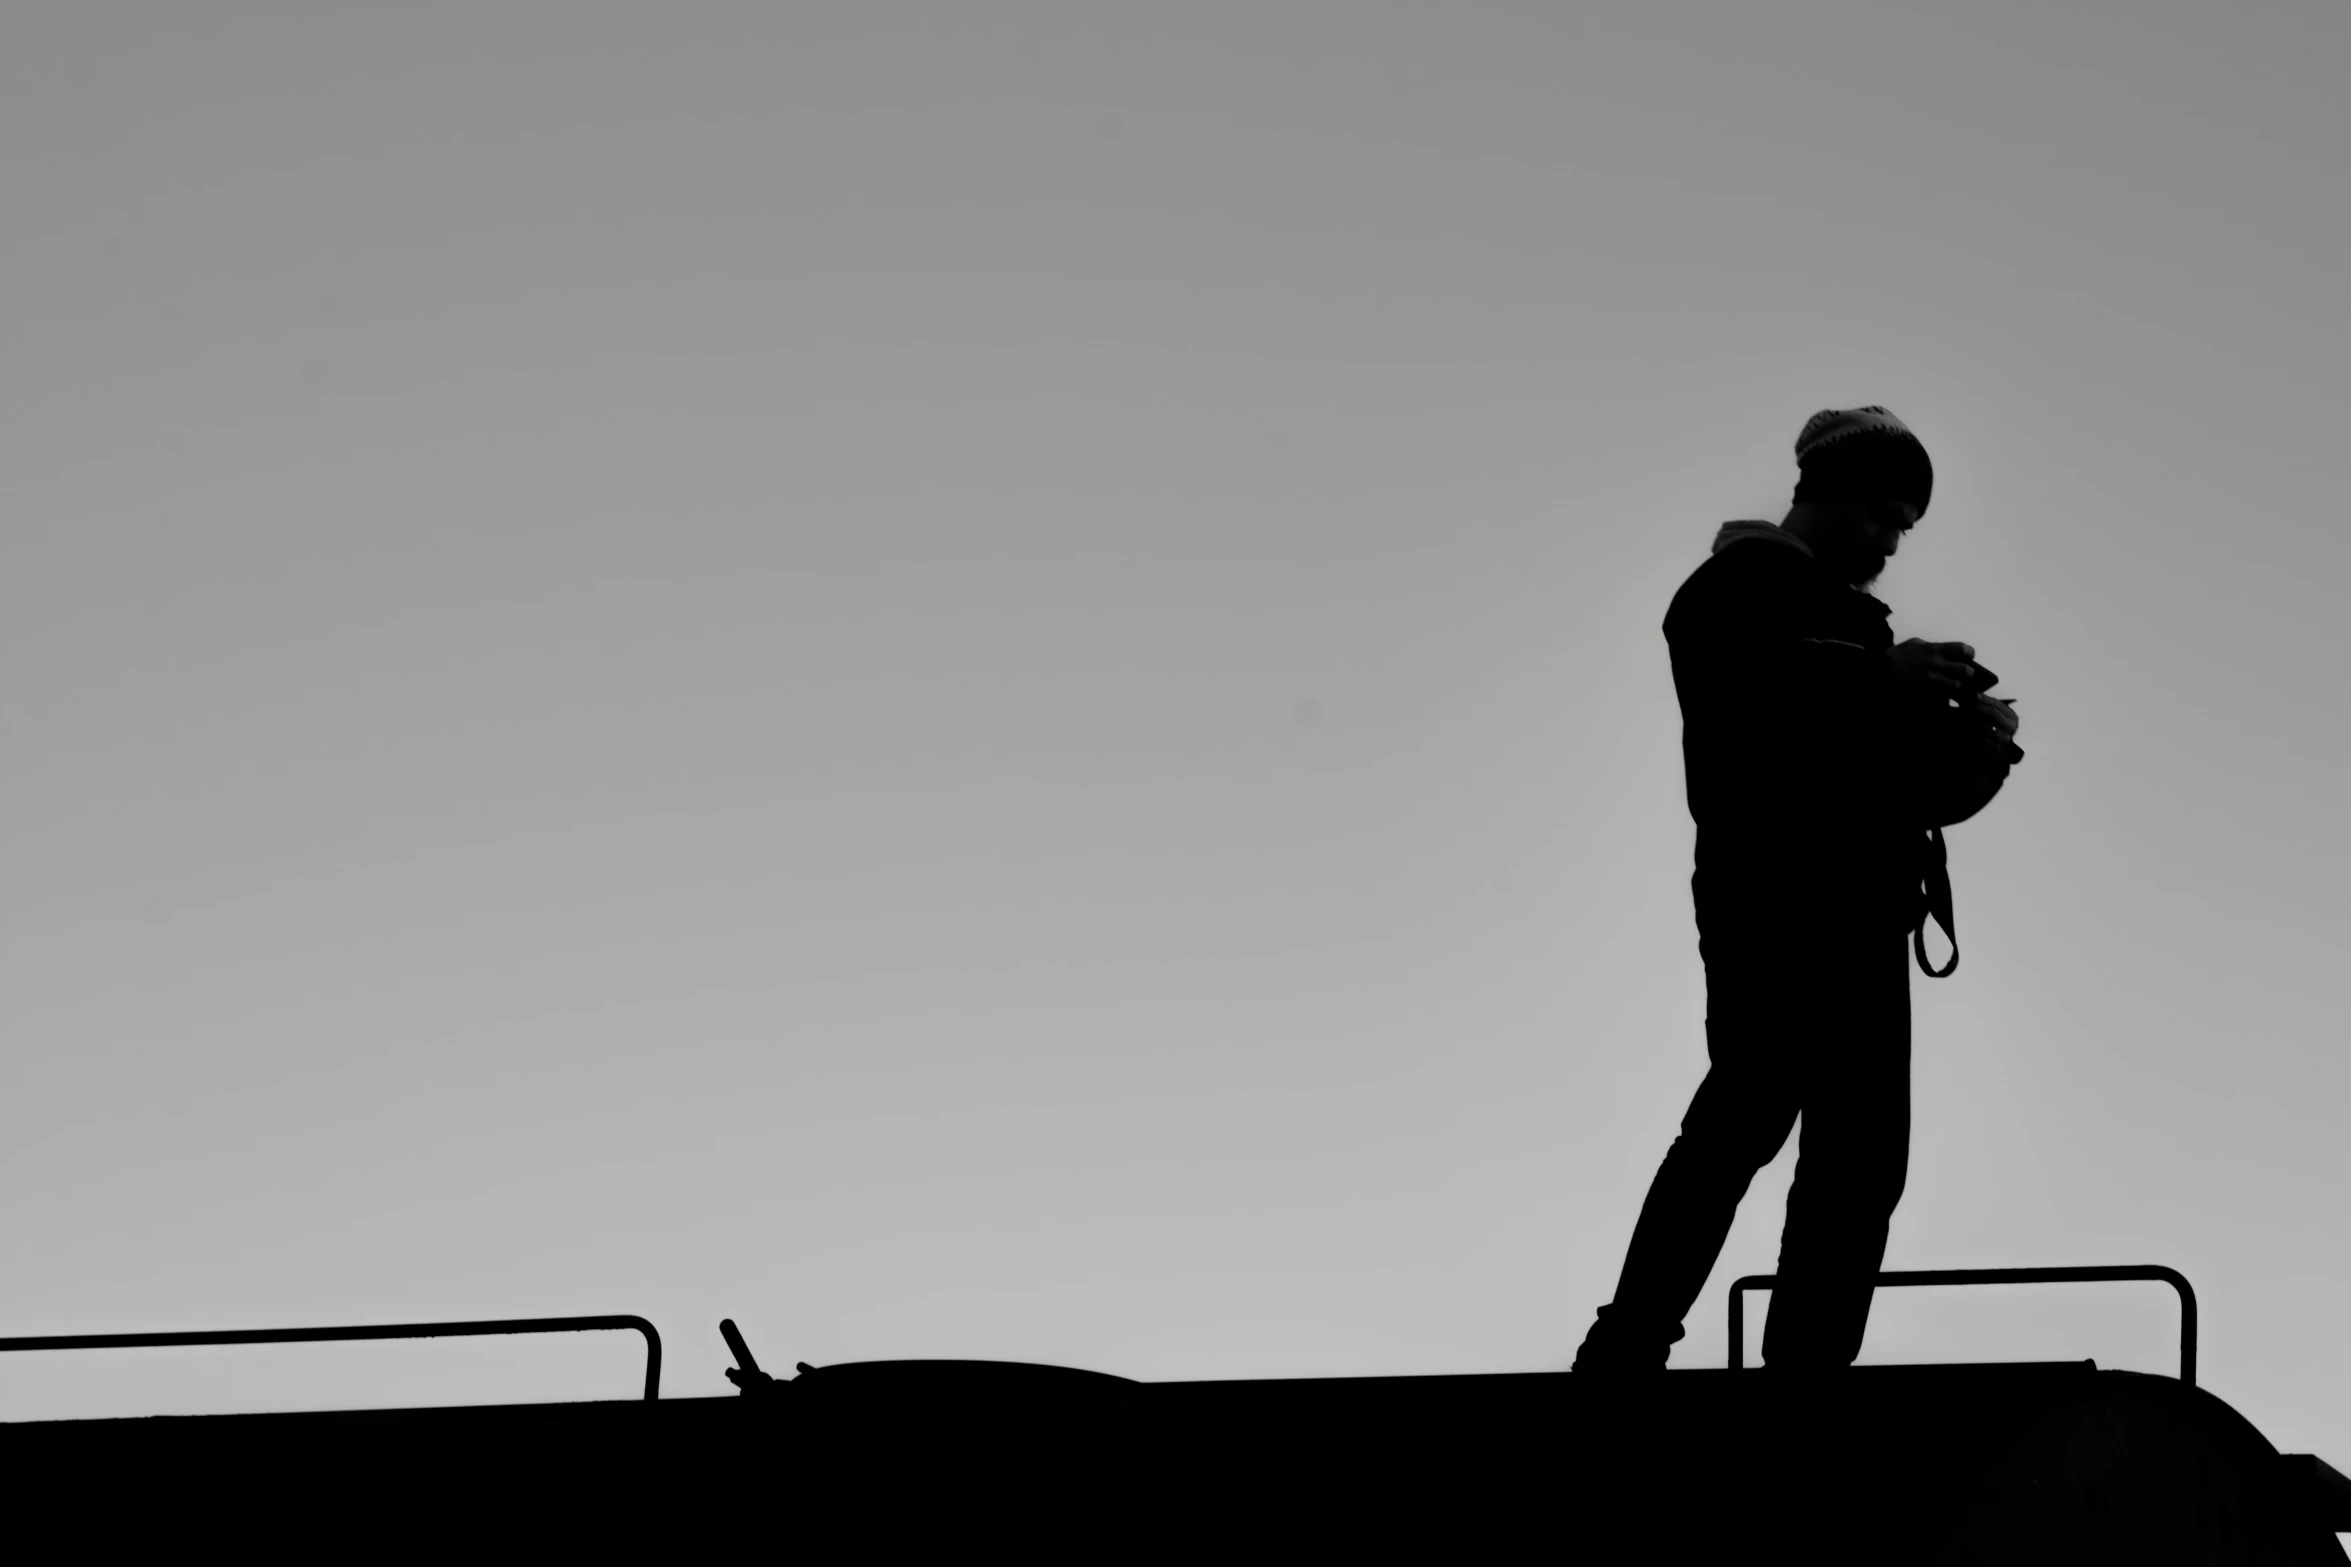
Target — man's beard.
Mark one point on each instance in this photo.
(1864, 566)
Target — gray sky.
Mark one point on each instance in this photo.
(985, 680)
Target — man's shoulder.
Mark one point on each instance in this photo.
(1758, 556)
(1742, 569)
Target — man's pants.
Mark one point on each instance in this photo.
(1803, 1021)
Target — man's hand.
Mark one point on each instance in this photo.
(1992, 711)
(1996, 723)
(1936, 667)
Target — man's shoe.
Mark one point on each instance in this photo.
(1594, 1362)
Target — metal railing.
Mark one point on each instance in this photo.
(381, 1330)
(2102, 1275)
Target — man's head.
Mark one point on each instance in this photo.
(1864, 480)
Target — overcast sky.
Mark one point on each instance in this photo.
(985, 680)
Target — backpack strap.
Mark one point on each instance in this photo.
(1938, 891)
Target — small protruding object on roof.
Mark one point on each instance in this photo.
(745, 1372)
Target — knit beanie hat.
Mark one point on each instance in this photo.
(1861, 454)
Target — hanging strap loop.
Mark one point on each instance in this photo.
(1938, 894)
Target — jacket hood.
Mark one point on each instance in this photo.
(1731, 533)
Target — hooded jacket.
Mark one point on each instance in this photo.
(1792, 737)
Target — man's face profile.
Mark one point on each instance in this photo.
(1857, 538)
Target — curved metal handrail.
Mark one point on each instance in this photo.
(2155, 1272)
(381, 1330)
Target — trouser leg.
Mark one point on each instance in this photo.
(1852, 1162)
(1736, 1124)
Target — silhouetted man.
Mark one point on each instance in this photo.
(1810, 750)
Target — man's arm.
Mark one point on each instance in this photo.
(1795, 710)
